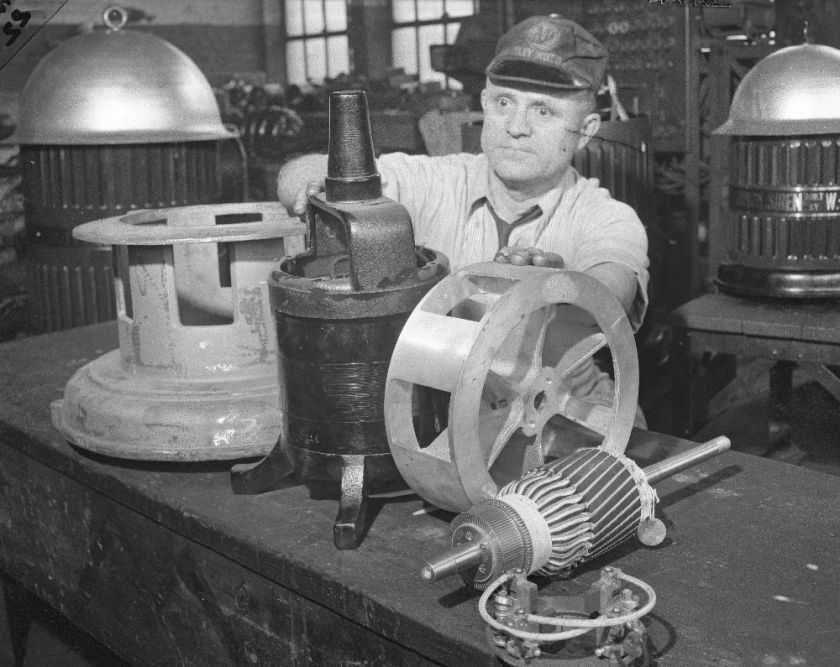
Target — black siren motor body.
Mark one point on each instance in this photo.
(340, 307)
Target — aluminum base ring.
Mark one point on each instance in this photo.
(109, 411)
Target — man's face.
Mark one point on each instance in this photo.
(530, 136)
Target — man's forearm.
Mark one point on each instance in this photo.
(619, 279)
(296, 174)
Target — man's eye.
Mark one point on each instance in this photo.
(503, 102)
(544, 112)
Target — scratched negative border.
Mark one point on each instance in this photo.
(20, 21)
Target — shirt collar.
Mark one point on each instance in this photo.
(548, 203)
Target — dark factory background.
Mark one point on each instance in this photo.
(272, 65)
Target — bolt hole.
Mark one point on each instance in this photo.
(539, 400)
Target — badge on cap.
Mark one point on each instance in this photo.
(544, 36)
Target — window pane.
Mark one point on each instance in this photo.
(452, 32)
(336, 15)
(404, 47)
(316, 58)
(402, 10)
(429, 9)
(295, 70)
(429, 34)
(294, 17)
(313, 17)
(338, 55)
(460, 7)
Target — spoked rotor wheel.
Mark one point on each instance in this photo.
(506, 346)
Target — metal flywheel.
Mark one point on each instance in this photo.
(500, 351)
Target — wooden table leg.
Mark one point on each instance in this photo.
(19, 616)
(683, 385)
(781, 385)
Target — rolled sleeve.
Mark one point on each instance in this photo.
(619, 238)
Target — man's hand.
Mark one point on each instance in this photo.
(302, 198)
(299, 178)
(529, 256)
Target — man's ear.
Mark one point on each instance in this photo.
(589, 128)
(484, 94)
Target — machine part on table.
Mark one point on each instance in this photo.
(561, 515)
(504, 344)
(112, 120)
(783, 220)
(195, 376)
(515, 616)
(339, 308)
(117, 86)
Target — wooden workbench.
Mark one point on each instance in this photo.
(783, 334)
(164, 565)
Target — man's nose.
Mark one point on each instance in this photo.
(517, 124)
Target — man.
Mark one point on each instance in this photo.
(520, 201)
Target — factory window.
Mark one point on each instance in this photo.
(420, 23)
(316, 40)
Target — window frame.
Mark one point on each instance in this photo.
(324, 34)
(445, 20)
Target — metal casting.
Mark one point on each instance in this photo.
(112, 121)
(502, 344)
(117, 86)
(71, 283)
(339, 309)
(783, 217)
(792, 91)
(194, 378)
(783, 212)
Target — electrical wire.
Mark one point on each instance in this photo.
(580, 625)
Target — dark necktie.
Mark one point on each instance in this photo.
(504, 228)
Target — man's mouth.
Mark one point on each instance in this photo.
(514, 149)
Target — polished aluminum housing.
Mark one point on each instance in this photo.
(793, 91)
(117, 86)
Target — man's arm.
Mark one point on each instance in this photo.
(405, 178)
(299, 178)
(619, 279)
